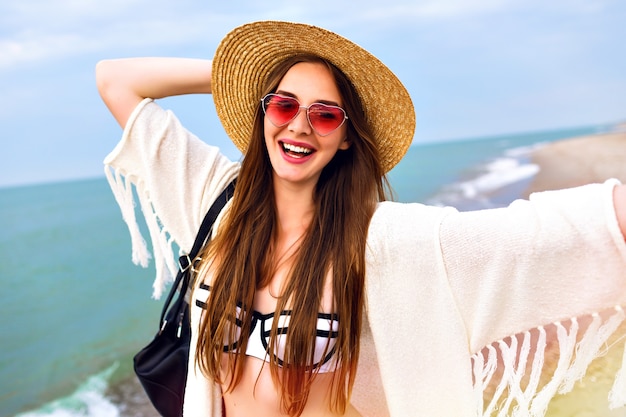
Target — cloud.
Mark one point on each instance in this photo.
(525, 37)
(431, 9)
(40, 30)
(37, 31)
(33, 48)
(31, 35)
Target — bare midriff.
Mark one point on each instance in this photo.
(257, 395)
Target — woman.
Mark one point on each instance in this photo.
(315, 298)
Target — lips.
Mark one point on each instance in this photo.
(296, 151)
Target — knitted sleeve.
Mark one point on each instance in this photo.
(173, 175)
(556, 256)
(524, 277)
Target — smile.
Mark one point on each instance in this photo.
(296, 151)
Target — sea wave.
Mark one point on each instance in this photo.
(89, 400)
(492, 183)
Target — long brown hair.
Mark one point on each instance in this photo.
(345, 199)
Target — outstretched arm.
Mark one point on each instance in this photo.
(123, 83)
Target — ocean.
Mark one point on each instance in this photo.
(75, 309)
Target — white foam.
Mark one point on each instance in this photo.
(494, 175)
(524, 151)
(499, 173)
(88, 400)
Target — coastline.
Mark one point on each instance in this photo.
(578, 161)
(130, 399)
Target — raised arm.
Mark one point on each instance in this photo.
(123, 83)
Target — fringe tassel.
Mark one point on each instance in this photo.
(517, 375)
(512, 374)
(162, 243)
(161, 249)
(123, 193)
(519, 392)
(617, 396)
(537, 367)
(483, 373)
(567, 343)
(588, 349)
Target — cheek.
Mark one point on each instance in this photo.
(269, 130)
(270, 133)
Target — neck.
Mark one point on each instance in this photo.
(294, 208)
(294, 212)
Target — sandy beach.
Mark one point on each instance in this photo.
(578, 161)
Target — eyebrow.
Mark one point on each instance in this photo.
(288, 94)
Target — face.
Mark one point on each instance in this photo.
(297, 152)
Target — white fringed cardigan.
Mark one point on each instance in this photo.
(441, 285)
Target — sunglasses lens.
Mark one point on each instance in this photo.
(280, 110)
(324, 119)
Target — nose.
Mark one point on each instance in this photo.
(300, 124)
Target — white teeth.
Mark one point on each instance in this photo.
(296, 149)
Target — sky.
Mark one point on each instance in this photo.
(473, 68)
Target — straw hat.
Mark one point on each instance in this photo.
(250, 52)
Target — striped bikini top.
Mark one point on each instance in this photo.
(258, 342)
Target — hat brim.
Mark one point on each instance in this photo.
(247, 54)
